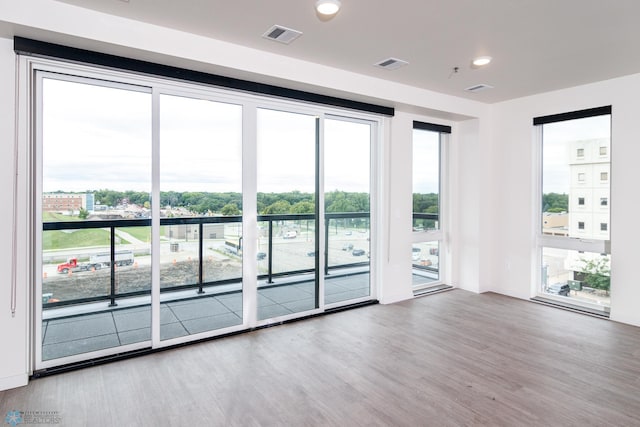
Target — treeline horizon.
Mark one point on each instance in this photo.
(230, 203)
(555, 202)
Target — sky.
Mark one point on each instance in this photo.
(100, 138)
(426, 162)
(555, 153)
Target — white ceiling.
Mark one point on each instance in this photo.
(536, 45)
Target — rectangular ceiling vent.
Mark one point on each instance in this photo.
(478, 88)
(281, 34)
(391, 63)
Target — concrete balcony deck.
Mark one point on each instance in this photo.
(85, 328)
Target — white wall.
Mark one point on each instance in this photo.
(473, 199)
(395, 256)
(58, 22)
(512, 169)
(13, 329)
(491, 161)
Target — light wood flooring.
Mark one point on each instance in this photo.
(449, 359)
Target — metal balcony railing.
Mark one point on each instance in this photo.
(342, 221)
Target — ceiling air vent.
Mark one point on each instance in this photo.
(391, 63)
(281, 34)
(478, 88)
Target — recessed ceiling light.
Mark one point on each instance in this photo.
(481, 61)
(328, 7)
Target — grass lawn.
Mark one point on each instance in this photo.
(57, 217)
(66, 239)
(141, 233)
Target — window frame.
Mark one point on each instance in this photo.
(34, 69)
(542, 241)
(428, 236)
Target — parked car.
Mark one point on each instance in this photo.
(559, 289)
(347, 247)
(358, 252)
(311, 253)
(261, 256)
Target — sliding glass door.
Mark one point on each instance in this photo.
(94, 144)
(200, 224)
(143, 240)
(287, 146)
(347, 189)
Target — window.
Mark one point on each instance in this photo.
(603, 151)
(96, 139)
(347, 200)
(200, 160)
(428, 148)
(580, 152)
(146, 248)
(574, 271)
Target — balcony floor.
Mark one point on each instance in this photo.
(66, 331)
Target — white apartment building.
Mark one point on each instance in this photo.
(590, 171)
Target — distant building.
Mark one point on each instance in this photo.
(90, 202)
(555, 224)
(190, 231)
(590, 169)
(67, 202)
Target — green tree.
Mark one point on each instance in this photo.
(303, 207)
(230, 209)
(597, 273)
(555, 202)
(84, 214)
(340, 201)
(279, 207)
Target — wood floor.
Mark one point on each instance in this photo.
(450, 359)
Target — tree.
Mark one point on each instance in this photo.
(555, 202)
(340, 201)
(230, 209)
(84, 214)
(597, 273)
(279, 207)
(303, 207)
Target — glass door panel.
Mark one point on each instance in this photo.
(286, 197)
(347, 170)
(95, 245)
(201, 228)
